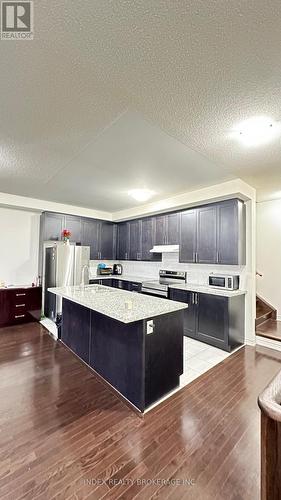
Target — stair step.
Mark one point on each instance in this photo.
(264, 317)
(264, 311)
(270, 329)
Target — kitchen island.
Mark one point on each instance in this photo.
(134, 342)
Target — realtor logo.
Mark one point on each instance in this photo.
(17, 20)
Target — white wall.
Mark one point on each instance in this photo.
(19, 232)
(269, 252)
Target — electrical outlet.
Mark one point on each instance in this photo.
(149, 327)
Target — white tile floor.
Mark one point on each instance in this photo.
(198, 358)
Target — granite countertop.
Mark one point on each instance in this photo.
(124, 277)
(208, 289)
(114, 303)
(186, 286)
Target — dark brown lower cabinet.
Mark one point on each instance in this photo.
(20, 305)
(213, 319)
(142, 367)
(132, 286)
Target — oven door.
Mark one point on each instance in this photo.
(155, 292)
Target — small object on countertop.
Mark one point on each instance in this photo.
(33, 285)
(128, 305)
(101, 265)
(2, 284)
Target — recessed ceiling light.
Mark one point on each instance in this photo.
(141, 194)
(256, 131)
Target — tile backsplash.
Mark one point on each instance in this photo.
(196, 273)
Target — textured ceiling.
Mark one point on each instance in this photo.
(112, 95)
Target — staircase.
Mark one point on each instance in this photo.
(264, 311)
(266, 324)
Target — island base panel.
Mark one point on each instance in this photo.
(143, 367)
(163, 356)
(116, 353)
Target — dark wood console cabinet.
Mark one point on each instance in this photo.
(20, 305)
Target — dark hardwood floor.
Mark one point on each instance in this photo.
(64, 435)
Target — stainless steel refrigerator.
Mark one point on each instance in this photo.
(62, 266)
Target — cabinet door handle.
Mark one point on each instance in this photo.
(20, 294)
(192, 298)
(19, 316)
(218, 256)
(20, 305)
(194, 257)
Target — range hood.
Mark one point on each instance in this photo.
(165, 249)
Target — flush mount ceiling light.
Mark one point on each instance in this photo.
(256, 131)
(141, 194)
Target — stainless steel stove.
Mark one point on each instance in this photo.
(160, 288)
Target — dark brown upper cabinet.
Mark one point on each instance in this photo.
(107, 245)
(231, 233)
(172, 229)
(214, 234)
(135, 240)
(206, 250)
(148, 228)
(74, 225)
(123, 240)
(159, 229)
(52, 225)
(166, 230)
(90, 236)
(210, 234)
(188, 236)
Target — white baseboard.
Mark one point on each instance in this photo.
(250, 342)
(271, 344)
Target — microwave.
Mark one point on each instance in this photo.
(224, 281)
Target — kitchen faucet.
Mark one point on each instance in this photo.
(83, 275)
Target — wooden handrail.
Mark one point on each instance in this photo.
(270, 399)
(269, 402)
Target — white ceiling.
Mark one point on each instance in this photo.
(111, 96)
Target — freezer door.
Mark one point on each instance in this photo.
(64, 270)
(64, 265)
(49, 304)
(81, 258)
